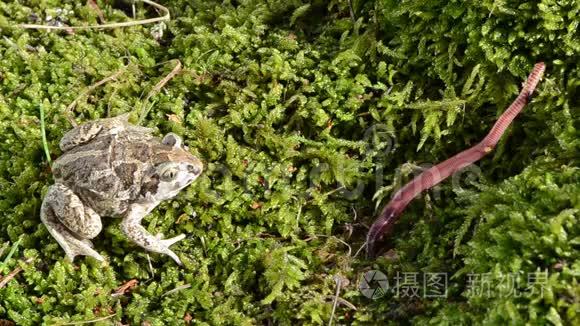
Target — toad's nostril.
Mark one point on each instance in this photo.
(194, 169)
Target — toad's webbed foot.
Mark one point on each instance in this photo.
(133, 229)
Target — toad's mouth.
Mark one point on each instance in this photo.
(187, 182)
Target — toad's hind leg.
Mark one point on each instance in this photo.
(70, 222)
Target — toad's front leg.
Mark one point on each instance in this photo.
(133, 229)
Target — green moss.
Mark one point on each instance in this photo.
(280, 100)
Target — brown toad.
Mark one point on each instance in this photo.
(112, 168)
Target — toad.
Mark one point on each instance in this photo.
(111, 168)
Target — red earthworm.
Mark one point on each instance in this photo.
(429, 178)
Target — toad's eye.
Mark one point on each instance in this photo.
(168, 174)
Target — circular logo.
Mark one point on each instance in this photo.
(374, 284)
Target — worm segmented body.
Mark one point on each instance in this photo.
(443, 170)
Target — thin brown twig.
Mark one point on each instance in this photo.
(176, 70)
(364, 245)
(338, 280)
(95, 7)
(4, 280)
(87, 91)
(112, 25)
(343, 301)
(164, 81)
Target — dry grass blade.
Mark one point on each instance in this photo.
(177, 289)
(364, 245)
(343, 302)
(112, 25)
(87, 91)
(157, 88)
(151, 269)
(338, 279)
(95, 7)
(92, 321)
(4, 280)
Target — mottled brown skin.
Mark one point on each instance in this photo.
(112, 168)
(391, 212)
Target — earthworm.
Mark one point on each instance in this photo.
(429, 178)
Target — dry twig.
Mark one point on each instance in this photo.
(95, 7)
(343, 302)
(339, 284)
(87, 91)
(4, 280)
(158, 87)
(112, 25)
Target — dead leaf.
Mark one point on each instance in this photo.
(125, 287)
(174, 118)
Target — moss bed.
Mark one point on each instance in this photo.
(307, 115)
